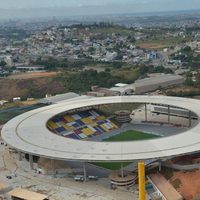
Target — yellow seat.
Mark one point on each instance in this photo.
(67, 127)
(85, 120)
(87, 131)
(114, 125)
(101, 117)
(69, 118)
(52, 125)
(90, 121)
(104, 128)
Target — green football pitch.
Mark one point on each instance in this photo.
(130, 135)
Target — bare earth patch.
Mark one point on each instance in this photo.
(31, 75)
(152, 45)
(189, 185)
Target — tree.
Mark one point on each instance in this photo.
(131, 39)
(3, 63)
(189, 81)
(197, 83)
(91, 49)
(186, 49)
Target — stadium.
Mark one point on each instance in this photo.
(85, 130)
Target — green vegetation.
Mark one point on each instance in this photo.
(159, 69)
(82, 81)
(126, 136)
(77, 64)
(167, 172)
(176, 183)
(30, 88)
(159, 41)
(190, 88)
(130, 74)
(130, 136)
(2, 63)
(75, 79)
(189, 80)
(8, 114)
(118, 30)
(183, 92)
(188, 57)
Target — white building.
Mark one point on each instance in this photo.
(110, 56)
(149, 84)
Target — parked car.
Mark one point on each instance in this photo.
(79, 178)
(9, 177)
(95, 178)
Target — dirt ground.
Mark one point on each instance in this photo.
(30, 102)
(189, 183)
(152, 45)
(32, 75)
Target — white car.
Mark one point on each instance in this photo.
(79, 178)
(95, 178)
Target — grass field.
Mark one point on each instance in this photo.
(131, 135)
(110, 30)
(160, 43)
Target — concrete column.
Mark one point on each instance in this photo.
(122, 169)
(190, 119)
(145, 105)
(159, 166)
(84, 172)
(31, 161)
(168, 114)
(53, 167)
(20, 156)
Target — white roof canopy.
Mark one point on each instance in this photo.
(28, 133)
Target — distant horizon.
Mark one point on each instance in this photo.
(136, 5)
(29, 13)
(10, 9)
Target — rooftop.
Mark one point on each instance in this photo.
(58, 98)
(27, 195)
(157, 79)
(167, 190)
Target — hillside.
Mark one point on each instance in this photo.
(36, 88)
(79, 82)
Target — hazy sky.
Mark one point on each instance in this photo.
(59, 8)
(136, 4)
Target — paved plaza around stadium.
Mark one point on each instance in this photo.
(57, 188)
